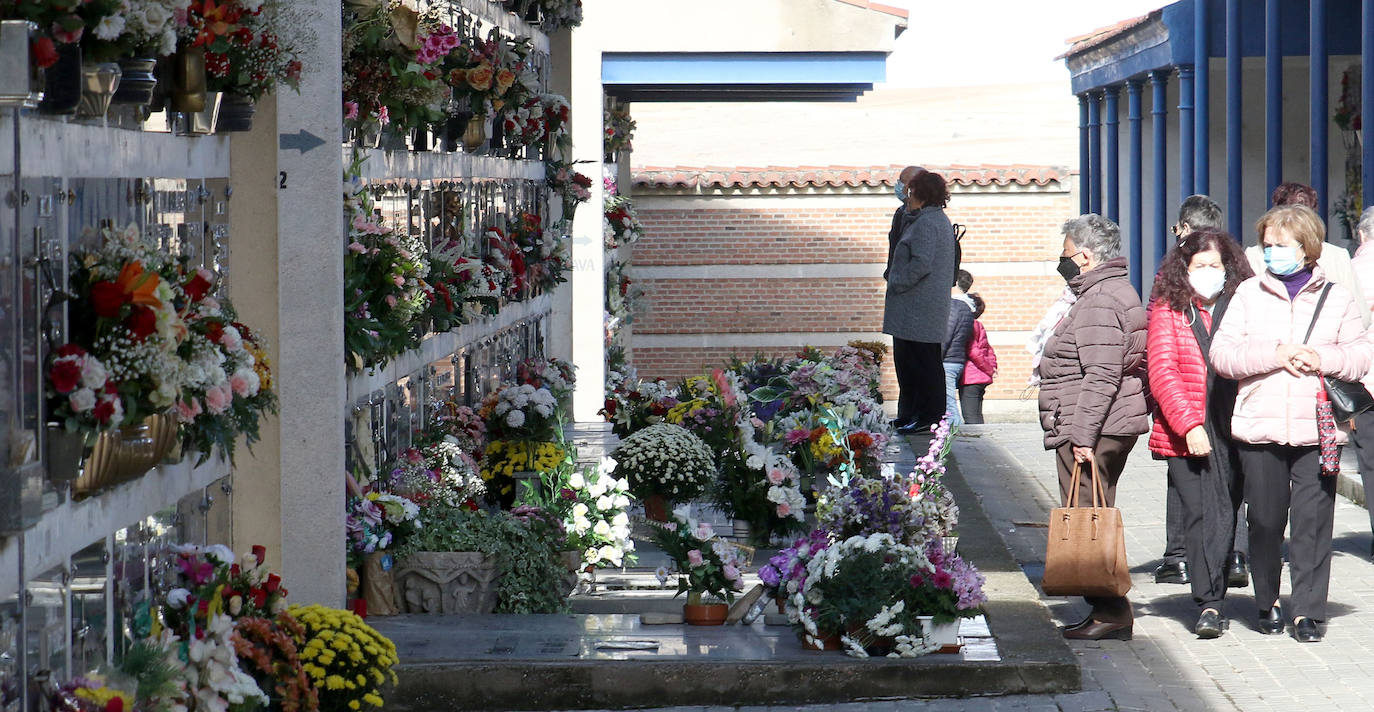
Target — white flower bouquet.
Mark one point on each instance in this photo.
(666, 460)
(521, 412)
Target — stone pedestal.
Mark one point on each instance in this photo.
(447, 583)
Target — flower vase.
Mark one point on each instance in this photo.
(62, 82)
(136, 81)
(694, 612)
(656, 508)
(203, 122)
(475, 134)
(945, 635)
(99, 80)
(189, 92)
(379, 587)
(235, 113)
(63, 452)
(126, 453)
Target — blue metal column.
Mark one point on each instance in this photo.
(1094, 152)
(1134, 229)
(1084, 177)
(1367, 100)
(1159, 112)
(1113, 152)
(1318, 102)
(1233, 126)
(1273, 100)
(1201, 98)
(1185, 131)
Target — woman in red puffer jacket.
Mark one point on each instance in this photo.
(1192, 411)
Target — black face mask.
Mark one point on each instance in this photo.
(1068, 269)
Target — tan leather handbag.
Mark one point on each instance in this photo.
(1086, 554)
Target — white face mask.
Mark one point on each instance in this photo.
(1207, 281)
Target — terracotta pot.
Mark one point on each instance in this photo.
(705, 613)
(188, 91)
(782, 603)
(62, 82)
(656, 508)
(829, 641)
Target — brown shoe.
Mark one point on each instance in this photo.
(1097, 630)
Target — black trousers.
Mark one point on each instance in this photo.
(1186, 478)
(920, 381)
(1176, 534)
(1111, 452)
(971, 402)
(1362, 439)
(1284, 486)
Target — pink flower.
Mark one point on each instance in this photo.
(383, 117)
(217, 399)
(775, 476)
(797, 435)
(731, 573)
(350, 109)
(66, 36)
(399, 280)
(188, 411)
(784, 509)
(356, 247)
(694, 557)
(241, 383)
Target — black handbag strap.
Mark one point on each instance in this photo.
(1204, 336)
(1325, 291)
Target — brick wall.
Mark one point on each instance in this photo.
(737, 265)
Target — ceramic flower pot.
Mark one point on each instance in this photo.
(136, 82)
(188, 91)
(126, 453)
(235, 113)
(446, 582)
(62, 82)
(475, 133)
(656, 508)
(705, 613)
(946, 635)
(378, 584)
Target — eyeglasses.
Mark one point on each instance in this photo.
(1175, 230)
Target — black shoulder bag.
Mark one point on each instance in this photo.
(1348, 398)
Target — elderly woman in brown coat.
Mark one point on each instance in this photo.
(1092, 389)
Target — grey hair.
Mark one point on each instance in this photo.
(1365, 228)
(1094, 234)
(1198, 212)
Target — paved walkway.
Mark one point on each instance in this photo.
(1165, 667)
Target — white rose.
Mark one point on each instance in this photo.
(597, 488)
(581, 525)
(611, 554)
(81, 400)
(579, 510)
(220, 553)
(621, 501)
(577, 482)
(93, 374)
(621, 519)
(165, 395)
(178, 597)
(604, 503)
(110, 27)
(591, 555)
(602, 529)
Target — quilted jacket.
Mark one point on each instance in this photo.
(982, 360)
(1092, 373)
(1273, 406)
(1178, 378)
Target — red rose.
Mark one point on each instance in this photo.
(259, 597)
(104, 410)
(116, 704)
(259, 553)
(141, 323)
(107, 299)
(65, 374)
(214, 332)
(197, 288)
(273, 583)
(44, 52)
(234, 572)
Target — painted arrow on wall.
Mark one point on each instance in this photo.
(304, 141)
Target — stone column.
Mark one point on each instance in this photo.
(588, 283)
(288, 281)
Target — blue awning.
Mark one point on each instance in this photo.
(741, 76)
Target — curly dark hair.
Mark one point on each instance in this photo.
(930, 189)
(1293, 194)
(979, 306)
(1171, 284)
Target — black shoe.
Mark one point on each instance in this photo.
(1237, 571)
(1097, 630)
(914, 428)
(1172, 572)
(1271, 621)
(898, 422)
(1306, 631)
(1210, 624)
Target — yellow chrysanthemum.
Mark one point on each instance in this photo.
(354, 705)
(334, 682)
(373, 699)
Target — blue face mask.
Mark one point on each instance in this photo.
(1282, 261)
(900, 190)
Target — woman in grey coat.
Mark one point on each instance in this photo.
(916, 308)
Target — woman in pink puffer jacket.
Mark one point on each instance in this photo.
(979, 369)
(1261, 344)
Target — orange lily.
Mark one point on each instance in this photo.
(140, 285)
(215, 22)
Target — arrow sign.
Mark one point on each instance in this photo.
(304, 141)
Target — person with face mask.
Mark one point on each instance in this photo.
(1092, 385)
(1193, 408)
(1284, 329)
(901, 216)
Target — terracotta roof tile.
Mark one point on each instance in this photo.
(878, 7)
(1102, 35)
(714, 177)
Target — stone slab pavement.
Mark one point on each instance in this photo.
(1165, 667)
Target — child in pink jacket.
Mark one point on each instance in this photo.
(980, 368)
